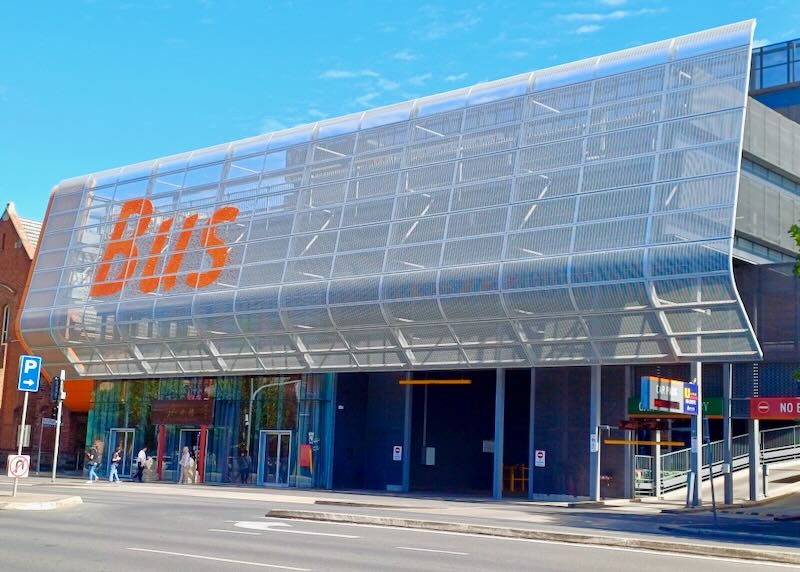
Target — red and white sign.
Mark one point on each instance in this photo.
(18, 466)
(539, 458)
(397, 453)
(775, 408)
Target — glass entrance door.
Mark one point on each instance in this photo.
(188, 438)
(122, 438)
(275, 449)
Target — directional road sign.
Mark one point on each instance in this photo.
(30, 368)
(18, 466)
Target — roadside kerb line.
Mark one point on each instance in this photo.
(726, 552)
(734, 534)
(432, 550)
(217, 559)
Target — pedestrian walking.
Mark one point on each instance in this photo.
(92, 461)
(185, 463)
(116, 458)
(244, 467)
(141, 461)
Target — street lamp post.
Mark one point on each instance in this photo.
(253, 394)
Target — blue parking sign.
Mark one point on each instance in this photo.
(30, 368)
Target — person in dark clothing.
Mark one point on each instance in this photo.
(244, 467)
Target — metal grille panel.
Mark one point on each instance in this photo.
(580, 214)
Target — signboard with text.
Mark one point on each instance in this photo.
(712, 407)
(775, 408)
(669, 395)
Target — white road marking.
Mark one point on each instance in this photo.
(252, 525)
(577, 545)
(431, 550)
(309, 533)
(234, 531)
(274, 526)
(216, 559)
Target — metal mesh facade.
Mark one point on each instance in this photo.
(581, 214)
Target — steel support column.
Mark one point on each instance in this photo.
(594, 434)
(406, 483)
(697, 435)
(754, 447)
(727, 434)
(531, 432)
(628, 483)
(499, 425)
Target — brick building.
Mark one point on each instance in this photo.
(18, 240)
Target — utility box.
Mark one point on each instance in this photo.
(428, 456)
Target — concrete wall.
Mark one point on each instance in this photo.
(764, 211)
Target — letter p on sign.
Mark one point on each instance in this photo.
(29, 365)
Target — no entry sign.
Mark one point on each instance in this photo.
(539, 458)
(18, 466)
(775, 408)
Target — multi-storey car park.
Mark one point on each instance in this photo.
(418, 297)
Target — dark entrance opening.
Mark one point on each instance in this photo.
(452, 433)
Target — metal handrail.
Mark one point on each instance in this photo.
(778, 444)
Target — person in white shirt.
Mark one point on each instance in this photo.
(141, 461)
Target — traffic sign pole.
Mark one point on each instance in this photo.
(61, 396)
(21, 437)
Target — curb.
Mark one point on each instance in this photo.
(731, 507)
(731, 534)
(46, 505)
(530, 534)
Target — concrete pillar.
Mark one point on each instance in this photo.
(531, 431)
(330, 429)
(406, 483)
(754, 446)
(727, 435)
(594, 434)
(499, 425)
(629, 450)
(657, 465)
(697, 434)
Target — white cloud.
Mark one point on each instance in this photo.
(366, 99)
(456, 77)
(314, 112)
(588, 29)
(420, 79)
(269, 124)
(347, 74)
(615, 15)
(438, 23)
(761, 42)
(405, 56)
(387, 84)
(613, 2)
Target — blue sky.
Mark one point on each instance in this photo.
(86, 86)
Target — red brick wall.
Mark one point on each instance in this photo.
(14, 266)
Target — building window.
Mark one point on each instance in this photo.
(6, 320)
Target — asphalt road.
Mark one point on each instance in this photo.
(118, 529)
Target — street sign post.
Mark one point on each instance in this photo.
(30, 369)
(59, 393)
(540, 459)
(18, 466)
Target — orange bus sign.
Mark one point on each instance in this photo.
(138, 214)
